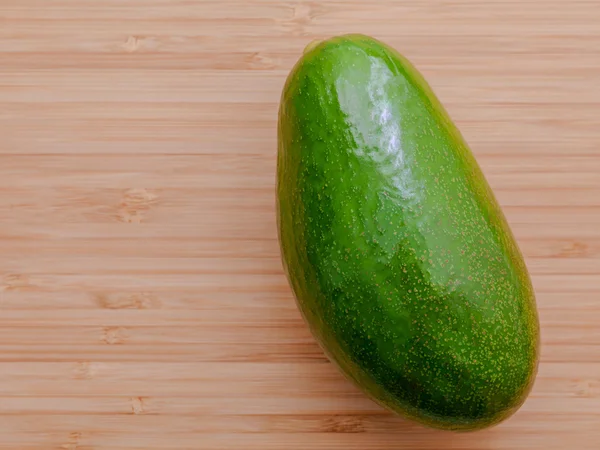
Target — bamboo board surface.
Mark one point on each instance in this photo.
(142, 300)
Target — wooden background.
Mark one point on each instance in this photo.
(142, 300)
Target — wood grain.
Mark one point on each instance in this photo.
(142, 300)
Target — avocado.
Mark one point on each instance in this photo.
(399, 256)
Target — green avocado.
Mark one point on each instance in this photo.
(400, 258)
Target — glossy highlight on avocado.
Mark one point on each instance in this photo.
(399, 256)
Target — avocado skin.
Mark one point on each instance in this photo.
(400, 258)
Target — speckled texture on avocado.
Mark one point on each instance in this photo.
(400, 258)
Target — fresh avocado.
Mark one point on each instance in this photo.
(400, 258)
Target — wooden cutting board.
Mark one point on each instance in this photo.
(142, 300)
